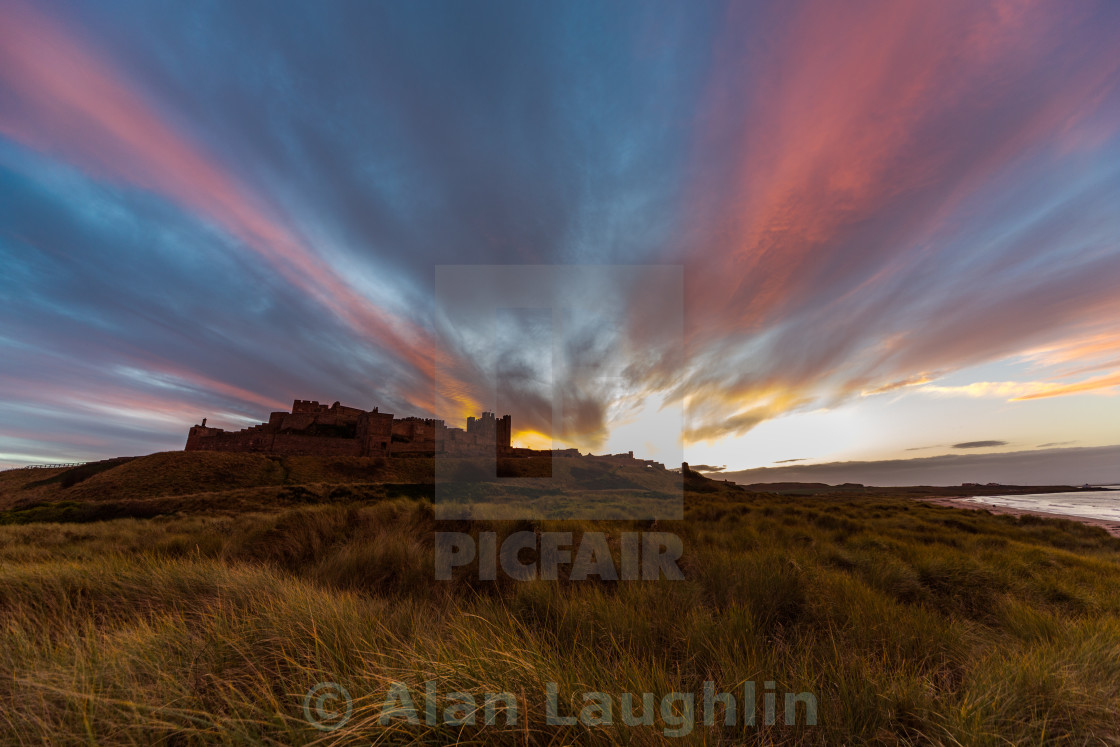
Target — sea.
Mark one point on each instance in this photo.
(1090, 504)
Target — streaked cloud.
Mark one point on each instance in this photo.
(69, 100)
(867, 200)
(1107, 383)
(705, 468)
(866, 226)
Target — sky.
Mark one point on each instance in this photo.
(895, 224)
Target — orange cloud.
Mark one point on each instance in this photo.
(1090, 385)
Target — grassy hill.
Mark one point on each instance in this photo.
(179, 481)
(254, 578)
(181, 473)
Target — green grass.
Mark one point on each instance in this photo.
(911, 623)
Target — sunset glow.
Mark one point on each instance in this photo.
(897, 222)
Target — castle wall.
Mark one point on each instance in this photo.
(216, 439)
(293, 443)
(266, 442)
(297, 421)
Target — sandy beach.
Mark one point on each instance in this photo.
(1112, 527)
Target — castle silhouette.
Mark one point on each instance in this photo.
(336, 430)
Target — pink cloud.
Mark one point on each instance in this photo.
(851, 142)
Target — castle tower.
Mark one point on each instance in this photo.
(503, 433)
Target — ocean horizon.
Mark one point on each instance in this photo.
(1101, 504)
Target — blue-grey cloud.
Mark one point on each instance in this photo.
(979, 444)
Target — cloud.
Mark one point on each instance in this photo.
(706, 468)
(841, 233)
(1110, 382)
(979, 444)
(330, 177)
(999, 389)
(1025, 390)
(916, 380)
(783, 461)
(71, 100)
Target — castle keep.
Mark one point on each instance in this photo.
(335, 430)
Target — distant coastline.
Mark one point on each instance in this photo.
(1095, 465)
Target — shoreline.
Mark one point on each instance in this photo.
(962, 502)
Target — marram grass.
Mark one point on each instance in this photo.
(910, 624)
